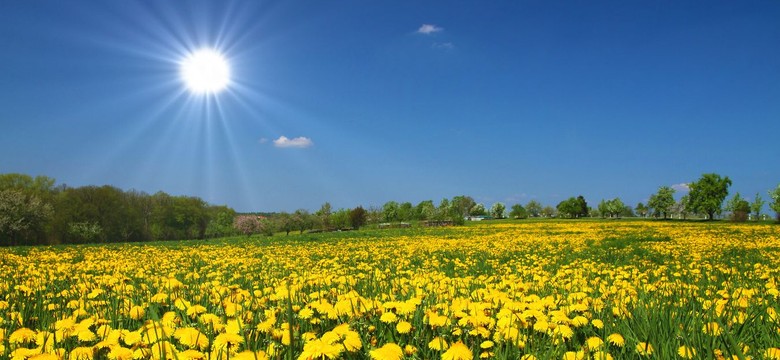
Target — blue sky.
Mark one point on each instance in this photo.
(396, 100)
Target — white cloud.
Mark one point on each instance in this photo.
(428, 29)
(298, 142)
(682, 187)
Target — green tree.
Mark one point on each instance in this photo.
(220, 221)
(548, 211)
(707, 194)
(775, 204)
(357, 217)
(662, 201)
(324, 215)
(739, 208)
(478, 210)
(425, 210)
(497, 210)
(534, 208)
(462, 204)
(21, 217)
(756, 206)
(390, 211)
(641, 210)
(405, 211)
(518, 212)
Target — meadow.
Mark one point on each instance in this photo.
(511, 290)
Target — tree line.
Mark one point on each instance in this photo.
(34, 210)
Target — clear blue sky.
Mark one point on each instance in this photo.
(501, 100)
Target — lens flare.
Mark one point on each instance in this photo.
(205, 72)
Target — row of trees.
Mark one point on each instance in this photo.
(35, 211)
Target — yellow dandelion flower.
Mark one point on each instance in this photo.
(191, 355)
(594, 343)
(686, 352)
(120, 353)
(195, 310)
(22, 335)
(579, 321)
(616, 339)
(410, 350)
(388, 318)
(191, 338)
(712, 329)
(772, 353)
(389, 351)
(250, 355)
(82, 353)
(458, 351)
(598, 324)
(571, 355)
(602, 355)
(438, 343)
(227, 342)
(528, 357)
(137, 312)
(305, 313)
(644, 349)
(319, 349)
(44, 356)
(487, 344)
(403, 327)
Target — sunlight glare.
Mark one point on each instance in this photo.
(205, 72)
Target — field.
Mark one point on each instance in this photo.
(533, 290)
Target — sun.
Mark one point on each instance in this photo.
(205, 71)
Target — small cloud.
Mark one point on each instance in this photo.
(428, 29)
(445, 46)
(683, 187)
(298, 142)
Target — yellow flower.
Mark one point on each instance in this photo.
(458, 351)
(712, 329)
(594, 343)
(438, 343)
(22, 335)
(191, 355)
(598, 324)
(318, 349)
(772, 353)
(82, 353)
(388, 318)
(191, 338)
(227, 342)
(403, 327)
(602, 355)
(137, 312)
(487, 344)
(571, 355)
(528, 357)
(616, 339)
(410, 350)
(120, 353)
(249, 355)
(686, 352)
(644, 349)
(389, 351)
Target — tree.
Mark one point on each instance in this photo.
(662, 201)
(518, 212)
(756, 206)
(478, 210)
(247, 224)
(775, 204)
(497, 210)
(641, 210)
(583, 207)
(221, 219)
(357, 217)
(324, 215)
(405, 211)
(534, 208)
(707, 194)
(21, 217)
(390, 211)
(612, 208)
(425, 210)
(462, 205)
(738, 207)
(548, 211)
(573, 207)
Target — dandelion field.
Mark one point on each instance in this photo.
(529, 290)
